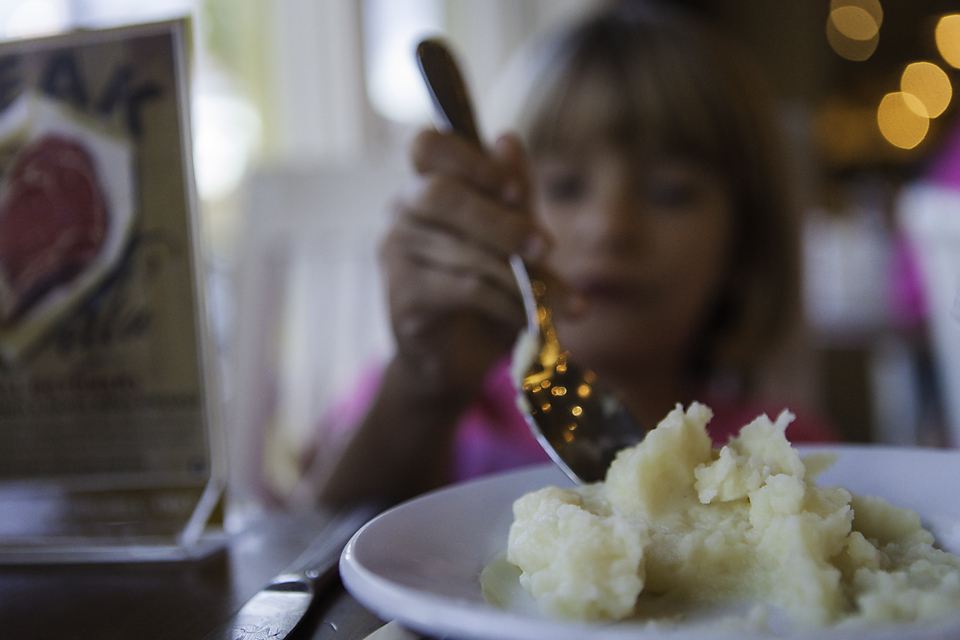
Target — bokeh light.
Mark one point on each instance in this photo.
(948, 39)
(855, 50)
(930, 85)
(38, 18)
(854, 23)
(392, 30)
(871, 7)
(853, 28)
(900, 120)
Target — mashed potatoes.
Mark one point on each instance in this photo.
(678, 524)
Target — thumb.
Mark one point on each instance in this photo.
(509, 151)
(518, 192)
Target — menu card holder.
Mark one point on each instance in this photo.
(110, 442)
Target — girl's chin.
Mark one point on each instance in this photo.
(608, 332)
(619, 348)
(613, 357)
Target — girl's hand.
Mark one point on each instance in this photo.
(454, 304)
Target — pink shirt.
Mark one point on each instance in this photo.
(493, 436)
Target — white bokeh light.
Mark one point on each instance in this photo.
(29, 18)
(226, 132)
(393, 28)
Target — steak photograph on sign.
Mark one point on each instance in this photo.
(108, 437)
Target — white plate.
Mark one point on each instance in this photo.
(419, 563)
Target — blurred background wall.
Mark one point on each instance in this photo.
(302, 110)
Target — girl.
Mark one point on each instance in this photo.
(646, 179)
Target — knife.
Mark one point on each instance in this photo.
(277, 609)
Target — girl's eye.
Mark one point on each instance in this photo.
(672, 194)
(563, 187)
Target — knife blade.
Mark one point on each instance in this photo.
(278, 608)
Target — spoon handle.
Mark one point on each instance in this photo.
(454, 112)
(581, 430)
(447, 88)
(454, 109)
(530, 305)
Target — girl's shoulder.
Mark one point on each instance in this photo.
(808, 425)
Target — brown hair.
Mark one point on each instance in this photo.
(676, 86)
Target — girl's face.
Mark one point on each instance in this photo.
(647, 242)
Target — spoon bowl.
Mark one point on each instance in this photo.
(581, 426)
(578, 423)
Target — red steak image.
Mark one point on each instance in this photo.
(53, 221)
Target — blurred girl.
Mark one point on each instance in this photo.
(647, 180)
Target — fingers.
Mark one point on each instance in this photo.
(443, 202)
(481, 198)
(446, 258)
(435, 152)
(430, 272)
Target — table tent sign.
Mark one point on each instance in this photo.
(110, 448)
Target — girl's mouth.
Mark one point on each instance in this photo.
(604, 290)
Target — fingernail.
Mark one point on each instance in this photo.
(576, 303)
(512, 193)
(535, 248)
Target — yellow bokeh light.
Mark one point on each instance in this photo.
(872, 7)
(854, 23)
(845, 47)
(948, 39)
(853, 28)
(930, 85)
(900, 121)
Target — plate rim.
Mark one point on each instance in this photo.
(448, 616)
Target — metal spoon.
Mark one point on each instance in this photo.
(579, 425)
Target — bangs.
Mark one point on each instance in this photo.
(648, 93)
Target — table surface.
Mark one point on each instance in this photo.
(171, 600)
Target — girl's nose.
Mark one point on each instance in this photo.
(619, 213)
